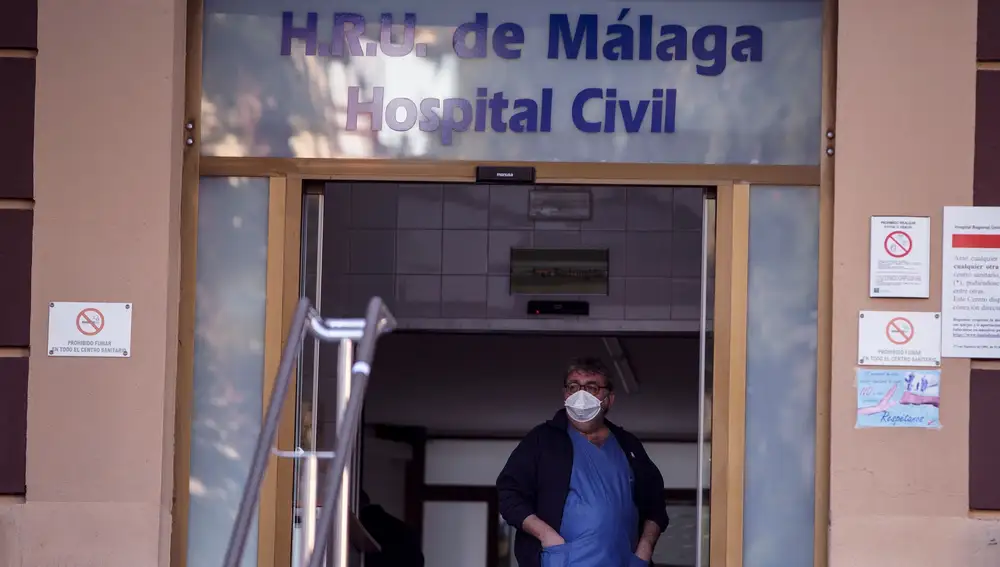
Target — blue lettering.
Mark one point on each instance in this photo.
(620, 40)
(609, 109)
(478, 30)
(709, 45)
(507, 40)
(546, 117)
(481, 110)
(372, 108)
(579, 101)
(409, 118)
(451, 115)
(559, 32)
(409, 32)
(429, 121)
(749, 45)
(497, 105)
(633, 121)
(451, 123)
(895, 419)
(674, 44)
(290, 32)
(669, 111)
(525, 117)
(661, 109)
(645, 37)
(349, 36)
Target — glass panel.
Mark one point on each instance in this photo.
(228, 359)
(779, 482)
(694, 82)
(306, 416)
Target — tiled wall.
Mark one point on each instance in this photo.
(18, 35)
(442, 251)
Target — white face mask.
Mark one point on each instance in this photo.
(582, 406)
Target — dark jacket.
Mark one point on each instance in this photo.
(536, 478)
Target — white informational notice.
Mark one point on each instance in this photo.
(970, 284)
(900, 257)
(899, 338)
(97, 330)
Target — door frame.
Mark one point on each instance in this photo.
(729, 325)
(732, 184)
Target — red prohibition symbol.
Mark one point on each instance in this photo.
(90, 322)
(899, 331)
(898, 244)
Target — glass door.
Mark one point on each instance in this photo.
(321, 396)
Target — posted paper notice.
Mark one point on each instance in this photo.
(900, 257)
(898, 398)
(970, 284)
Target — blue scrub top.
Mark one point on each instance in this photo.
(600, 520)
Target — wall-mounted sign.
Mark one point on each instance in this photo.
(97, 330)
(521, 80)
(900, 257)
(970, 284)
(898, 398)
(899, 338)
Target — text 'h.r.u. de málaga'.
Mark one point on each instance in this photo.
(627, 38)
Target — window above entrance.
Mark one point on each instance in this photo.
(694, 82)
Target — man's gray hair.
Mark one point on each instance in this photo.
(592, 366)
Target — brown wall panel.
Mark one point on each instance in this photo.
(15, 285)
(984, 441)
(988, 48)
(13, 424)
(18, 24)
(17, 117)
(986, 181)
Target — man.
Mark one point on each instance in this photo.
(582, 491)
(400, 543)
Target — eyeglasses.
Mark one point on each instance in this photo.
(591, 388)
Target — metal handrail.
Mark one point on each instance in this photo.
(378, 320)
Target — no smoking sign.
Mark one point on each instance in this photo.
(90, 330)
(898, 244)
(893, 338)
(900, 257)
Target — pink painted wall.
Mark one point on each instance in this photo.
(109, 116)
(905, 126)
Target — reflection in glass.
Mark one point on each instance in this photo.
(779, 498)
(228, 359)
(306, 416)
(259, 102)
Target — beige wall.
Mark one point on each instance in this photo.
(108, 183)
(109, 116)
(905, 124)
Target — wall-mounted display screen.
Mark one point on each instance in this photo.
(559, 271)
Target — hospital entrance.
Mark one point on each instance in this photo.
(496, 288)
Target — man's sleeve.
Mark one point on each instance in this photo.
(516, 484)
(655, 505)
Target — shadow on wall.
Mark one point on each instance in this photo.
(506, 384)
